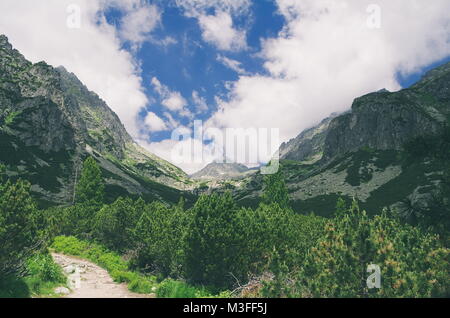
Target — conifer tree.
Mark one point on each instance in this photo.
(90, 188)
(275, 190)
(212, 243)
(18, 232)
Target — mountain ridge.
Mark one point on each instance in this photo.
(222, 171)
(366, 153)
(49, 119)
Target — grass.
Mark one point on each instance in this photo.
(41, 278)
(44, 275)
(120, 271)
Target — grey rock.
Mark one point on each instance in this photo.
(62, 291)
(309, 145)
(69, 269)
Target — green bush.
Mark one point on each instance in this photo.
(14, 287)
(43, 275)
(413, 264)
(213, 242)
(158, 238)
(114, 223)
(226, 246)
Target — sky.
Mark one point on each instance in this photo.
(279, 65)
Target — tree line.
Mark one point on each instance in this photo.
(269, 251)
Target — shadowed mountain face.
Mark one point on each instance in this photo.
(391, 146)
(50, 122)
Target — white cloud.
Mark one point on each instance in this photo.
(138, 23)
(93, 52)
(155, 123)
(217, 28)
(167, 41)
(326, 56)
(231, 64)
(189, 154)
(199, 102)
(171, 121)
(172, 100)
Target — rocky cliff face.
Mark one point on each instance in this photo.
(381, 121)
(309, 145)
(384, 121)
(361, 154)
(50, 122)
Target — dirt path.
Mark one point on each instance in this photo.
(87, 280)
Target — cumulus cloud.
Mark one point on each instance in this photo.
(218, 28)
(155, 123)
(172, 100)
(49, 30)
(327, 54)
(138, 23)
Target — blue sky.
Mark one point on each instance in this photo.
(189, 64)
(275, 64)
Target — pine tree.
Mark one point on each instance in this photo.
(18, 231)
(275, 191)
(90, 188)
(158, 236)
(213, 241)
(113, 224)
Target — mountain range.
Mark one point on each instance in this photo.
(50, 122)
(371, 153)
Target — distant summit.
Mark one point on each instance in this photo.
(222, 171)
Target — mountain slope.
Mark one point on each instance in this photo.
(222, 171)
(50, 122)
(390, 147)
